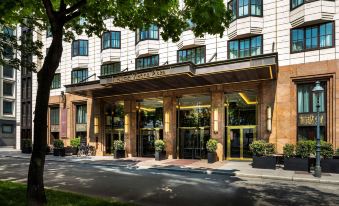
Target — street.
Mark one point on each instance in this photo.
(151, 187)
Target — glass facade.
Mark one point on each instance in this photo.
(54, 115)
(56, 83)
(111, 68)
(80, 48)
(243, 8)
(245, 47)
(146, 62)
(152, 33)
(79, 75)
(81, 112)
(114, 124)
(7, 107)
(195, 55)
(111, 40)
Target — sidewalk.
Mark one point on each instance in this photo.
(229, 168)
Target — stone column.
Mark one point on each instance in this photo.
(130, 127)
(218, 113)
(170, 118)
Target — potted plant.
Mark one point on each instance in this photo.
(59, 149)
(297, 158)
(211, 147)
(26, 146)
(336, 156)
(119, 149)
(263, 154)
(159, 145)
(328, 163)
(75, 144)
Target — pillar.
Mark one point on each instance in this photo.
(170, 126)
(130, 127)
(218, 118)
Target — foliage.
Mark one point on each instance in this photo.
(262, 148)
(159, 145)
(14, 194)
(118, 145)
(305, 148)
(58, 144)
(337, 152)
(211, 145)
(26, 143)
(288, 150)
(75, 142)
(326, 149)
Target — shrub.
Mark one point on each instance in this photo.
(326, 149)
(159, 145)
(75, 142)
(337, 152)
(262, 148)
(211, 145)
(58, 144)
(118, 145)
(304, 149)
(288, 150)
(26, 143)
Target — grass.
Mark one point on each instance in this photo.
(14, 194)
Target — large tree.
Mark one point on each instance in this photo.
(62, 16)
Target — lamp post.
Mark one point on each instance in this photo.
(317, 90)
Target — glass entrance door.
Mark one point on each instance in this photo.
(193, 126)
(149, 125)
(241, 115)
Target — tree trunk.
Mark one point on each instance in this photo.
(35, 183)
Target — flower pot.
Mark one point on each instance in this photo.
(296, 164)
(69, 151)
(265, 162)
(211, 157)
(119, 154)
(27, 150)
(160, 155)
(329, 165)
(59, 152)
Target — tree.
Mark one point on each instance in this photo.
(62, 16)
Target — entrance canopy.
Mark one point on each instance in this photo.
(180, 76)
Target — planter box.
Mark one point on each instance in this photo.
(296, 164)
(27, 150)
(59, 152)
(268, 162)
(160, 155)
(119, 154)
(329, 165)
(211, 157)
(69, 151)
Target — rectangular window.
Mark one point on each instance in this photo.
(111, 39)
(54, 115)
(7, 107)
(56, 83)
(111, 68)
(152, 33)
(8, 71)
(80, 48)
(296, 3)
(7, 129)
(79, 75)
(312, 37)
(81, 114)
(245, 47)
(8, 89)
(146, 62)
(195, 55)
(232, 5)
(256, 7)
(243, 8)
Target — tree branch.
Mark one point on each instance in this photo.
(62, 6)
(72, 16)
(75, 7)
(49, 10)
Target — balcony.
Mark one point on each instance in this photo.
(110, 55)
(80, 62)
(147, 48)
(245, 27)
(188, 39)
(312, 12)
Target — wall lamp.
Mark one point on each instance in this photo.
(269, 118)
(216, 120)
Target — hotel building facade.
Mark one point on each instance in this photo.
(255, 82)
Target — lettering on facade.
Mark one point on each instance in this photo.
(81, 127)
(139, 76)
(54, 128)
(311, 119)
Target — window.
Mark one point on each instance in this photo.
(245, 47)
(145, 62)
(8, 89)
(9, 32)
(112, 68)
(296, 3)
(79, 75)
(243, 8)
(8, 71)
(195, 55)
(312, 37)
(7, 107)
(81, 114)
(54, 113)
(7, 129)
(56, 83)
(152, 33)
(111, 40)
(80, 48)
(307, 111)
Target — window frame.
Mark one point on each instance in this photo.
(77, 71)
(8, 125)
(12, 88)
(12, 108)
(318, 38)
(250, 46)
(83, 117)
(54, 118)
(78, 47)
(110, 64)
(249, 10)
(58, 86)
(195, 51)
(148, 31)
(136, 60)
(6, 67)
(110, 40)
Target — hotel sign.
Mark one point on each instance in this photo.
(139, 76)
(310, 119)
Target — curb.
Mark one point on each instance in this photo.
(199, 171)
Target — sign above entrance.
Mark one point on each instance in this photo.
(310, 119)
(139, 76)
